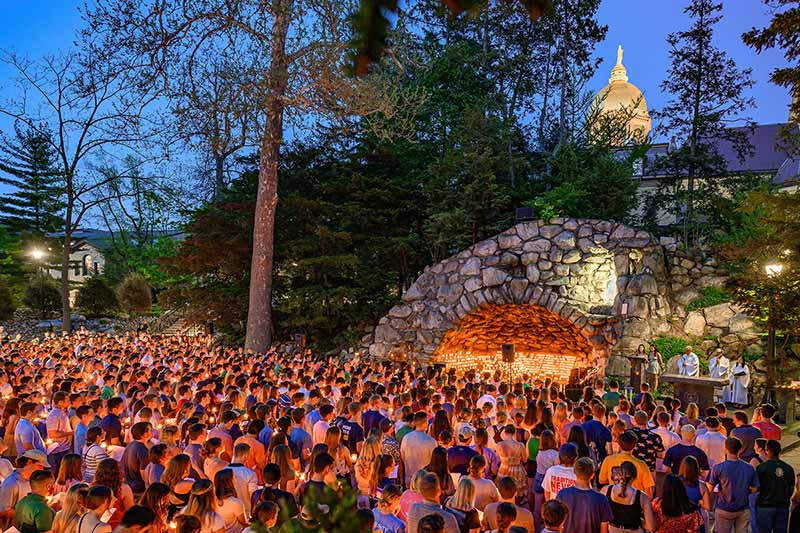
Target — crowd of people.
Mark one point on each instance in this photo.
(139, 434)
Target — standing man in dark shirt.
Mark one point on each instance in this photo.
(136, 457)
(272, 493)
(352, 432)
(776, 481)
(458, 456)
(745, 433)
(111, 424)
(686, 447)
(648, 444)
(315, 487)
(724, 419)
(597, 434)
(734, 481)
(372, 417)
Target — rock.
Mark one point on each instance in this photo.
(473, 284)
(548, 232)
(485, 248)
(509, 259)
(532, 273)
(718, 315)
(472, 267)
(413, 293)
(517, 288)
(623, 232)
(538, 245)
(508, 242)
(695, 324)
(618, 366)
(585, 230)
(556, 255)
(565, 240)
(740, 322)
(572, 256)
(449, 294)
(493, 277)
(571, 225)
(400, 311)
(530, 258)
(527, 230)
(562, 270)
(544, 264)
(642, 284)
(685, 296)
(386, 333)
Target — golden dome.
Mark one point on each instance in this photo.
(620, 95)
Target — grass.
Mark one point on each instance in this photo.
(709, 296)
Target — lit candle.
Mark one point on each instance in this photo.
(302, 476)
(354, 457)
(173, 525)
(211, 419)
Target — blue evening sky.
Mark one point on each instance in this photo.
(37, 27)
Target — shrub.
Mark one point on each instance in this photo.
(96, 297)
(670, 346)
(134, 294)
(43, 295)
(7, 305)
(709, 296)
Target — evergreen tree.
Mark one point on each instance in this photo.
(28, 163)
(707, 96)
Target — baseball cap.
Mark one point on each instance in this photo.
(38, 456)
(465, 433)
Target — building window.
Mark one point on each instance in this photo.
(87, 264)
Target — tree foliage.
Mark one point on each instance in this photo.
(7, 301)
(135, 295)
(96, 297)
(42, 294)
(29, 164)
(707, 95)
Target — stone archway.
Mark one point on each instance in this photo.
(602, 277)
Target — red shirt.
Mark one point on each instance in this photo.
(769, 429)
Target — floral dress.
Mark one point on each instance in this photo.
(688, 523)
(513, 455)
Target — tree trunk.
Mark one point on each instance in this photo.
(65, 253)
(219, 177)
(259, 312)
(562, 115)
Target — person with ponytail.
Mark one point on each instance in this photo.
(631, 507)
(202, 504)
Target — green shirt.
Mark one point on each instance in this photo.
(106, 392)
(33, 514)
(402, 432)
(611, 400)
(775, 484)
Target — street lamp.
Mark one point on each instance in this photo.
(773, 269)
(37, 254)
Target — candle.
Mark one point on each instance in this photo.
(302, 476)
(173, 525)
(354, 457)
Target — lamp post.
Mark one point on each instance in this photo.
(773, 269)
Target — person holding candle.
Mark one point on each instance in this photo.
(202, 505)
(97, 502)
(156, 498)
(230, 508)
(26, 435)
(59, 431)
(93, 453)
(244, 479)
(66, 520)
(136, 457)
(33, 512)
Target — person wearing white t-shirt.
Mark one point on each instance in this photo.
(562, 475)
(229, 507)
(417, 447)
(668, 438)
(244, 479)
(712, 442)
(322, 425)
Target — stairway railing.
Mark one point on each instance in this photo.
(166, 320)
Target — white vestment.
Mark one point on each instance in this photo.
(689, 365)
(739, 384)
(720, 368)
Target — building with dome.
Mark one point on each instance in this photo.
(622, 97)
(770, 157)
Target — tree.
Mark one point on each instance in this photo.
(782, 32)
(293, 53)
(768, 231)
(29, 162)
(86, 100)
(7, 304)
(96, 297)
(707, 96)
(134, 294)
(42, 294)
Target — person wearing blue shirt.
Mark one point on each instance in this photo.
(85, 415)
(736, 480)
(299, 440)
(26, 436)
(589, 511)
(596, 432)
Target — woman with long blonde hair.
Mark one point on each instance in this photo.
(462, 505)
(342, 462)
(175, 476)
(366, 464)
(282, 456)
(202, 504)
(66, 520)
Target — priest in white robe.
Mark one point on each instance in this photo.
(689, 363)
(740, 380)
(719, 367)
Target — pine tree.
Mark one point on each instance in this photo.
(28, 164)
(708, 96)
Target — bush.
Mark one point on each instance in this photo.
(709, 296)
(134, 294)
(7, 305)
(670, 346)
(96, 297)
(42, 295)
